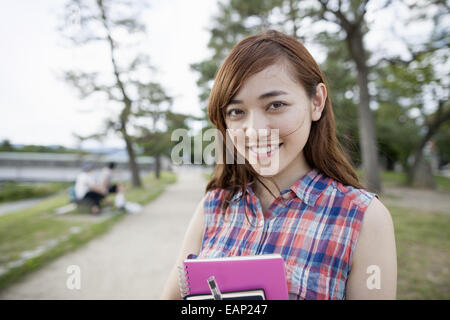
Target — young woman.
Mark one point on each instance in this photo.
(337, 239)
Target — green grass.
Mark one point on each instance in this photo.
(391, 178)
(28, 229)
(151, 187)
(11, 191)
(423, 253)
(443, 183)
(207, 175)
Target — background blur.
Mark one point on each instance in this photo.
(108, 81)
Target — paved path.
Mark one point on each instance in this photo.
(13, 206)
(132, 260)
(418, 199)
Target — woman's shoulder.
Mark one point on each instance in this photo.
(375, 213)
(360, 196)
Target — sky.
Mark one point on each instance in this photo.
(38, 107)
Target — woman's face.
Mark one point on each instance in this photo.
(269, 119)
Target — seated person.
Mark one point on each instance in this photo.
(87, 189)
(106, 178)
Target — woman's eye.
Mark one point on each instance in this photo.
(233, 112)
(277, 105)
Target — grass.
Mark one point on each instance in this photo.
(443, 183)
(392, 178)
(423, 253)
(26, 230)
(151, 187)
(11, 191)
(207, 175)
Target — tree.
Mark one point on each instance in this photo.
(404, 122)
(350, 17)
(110, 23)
(240, 18)
(420, 82)
(6, 146)
(343, 93)
(156, 139)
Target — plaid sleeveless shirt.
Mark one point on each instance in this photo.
(313, 225)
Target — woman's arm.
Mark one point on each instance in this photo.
(191, 244)
(373, 273)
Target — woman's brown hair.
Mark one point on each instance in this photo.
(250, 56)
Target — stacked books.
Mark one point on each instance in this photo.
(260, 277)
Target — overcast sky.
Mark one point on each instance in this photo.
(36, 107)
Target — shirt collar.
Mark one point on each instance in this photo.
(308, 187)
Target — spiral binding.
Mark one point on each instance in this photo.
(183, 280)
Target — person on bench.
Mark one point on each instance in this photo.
(87, 190)
(105, 179)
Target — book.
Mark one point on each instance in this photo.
(257, 294)
(235, 274)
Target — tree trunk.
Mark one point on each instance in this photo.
(368, 142)
(136, 181)
(134, 168)
(421, 174)
(157, 165)
(293, 17)
(390, 164)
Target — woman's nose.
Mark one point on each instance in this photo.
(256, 121)
(256, 126)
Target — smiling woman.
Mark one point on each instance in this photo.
(287, 125)
(271, 99)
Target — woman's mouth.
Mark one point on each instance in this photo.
(266, 151)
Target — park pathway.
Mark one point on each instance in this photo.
(132, 260)
(417, 199)
(13, 206)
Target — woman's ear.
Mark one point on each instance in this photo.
(318, 102)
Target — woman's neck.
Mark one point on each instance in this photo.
(284, 179)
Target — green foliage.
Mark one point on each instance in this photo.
(151, 188)
(342, 93)
(6, 146)
(404, 115)
(11, 191)
(118, 26)
(402, 87)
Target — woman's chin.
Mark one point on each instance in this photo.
(267, 170)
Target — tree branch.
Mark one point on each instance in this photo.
(126, 111)
(338, 14)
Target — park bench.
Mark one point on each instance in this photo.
(84, 204)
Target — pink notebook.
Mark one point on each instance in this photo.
(237, 274)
